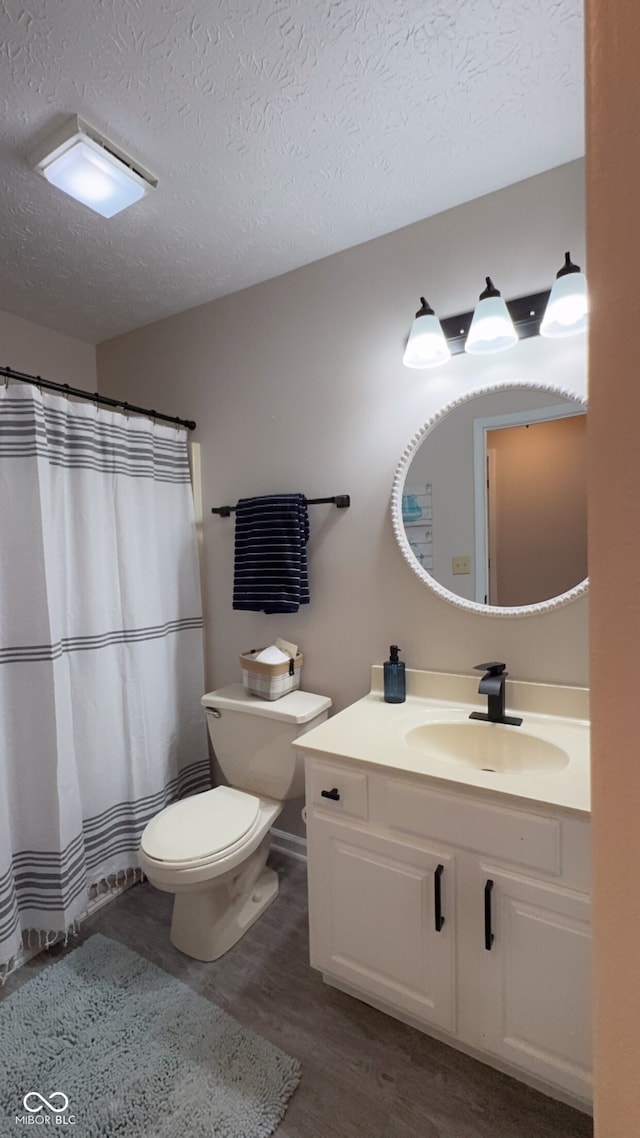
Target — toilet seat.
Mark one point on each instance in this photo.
(203, 829)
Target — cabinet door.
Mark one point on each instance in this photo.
(382, 918)
(535, 970)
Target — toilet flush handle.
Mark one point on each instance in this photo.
(217, 714)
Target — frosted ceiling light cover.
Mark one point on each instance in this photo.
(492, 328)
(567, 309)
(83, 168)
(426, 346)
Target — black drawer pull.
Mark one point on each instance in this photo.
(488, 935)
(437, 896)
(333, 794)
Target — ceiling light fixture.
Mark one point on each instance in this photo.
(426, 346)
(89, 168)
(495, 326)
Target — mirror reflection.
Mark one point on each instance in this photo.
(494, 504)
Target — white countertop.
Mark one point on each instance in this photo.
(372, 731)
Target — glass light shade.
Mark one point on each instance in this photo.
(90, 174)
(427, 345)
(491, 329)
(567, 309)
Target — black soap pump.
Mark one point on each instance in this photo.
(395, 688)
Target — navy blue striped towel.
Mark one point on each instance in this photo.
(271, 572)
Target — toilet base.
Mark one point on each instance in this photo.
(206, 923)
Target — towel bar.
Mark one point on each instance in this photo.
(342, 501)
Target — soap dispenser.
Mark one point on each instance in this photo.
(395, 689)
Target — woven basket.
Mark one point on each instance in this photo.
(269, 681)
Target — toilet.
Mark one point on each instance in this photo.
(211, 849)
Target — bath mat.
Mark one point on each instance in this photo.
(105, 1045)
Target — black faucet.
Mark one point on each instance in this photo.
(492, 685)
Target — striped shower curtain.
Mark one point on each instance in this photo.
(101, 660)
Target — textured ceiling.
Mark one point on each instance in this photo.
(280, 132)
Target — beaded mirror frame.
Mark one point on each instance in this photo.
(397, 491)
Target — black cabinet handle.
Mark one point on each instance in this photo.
(488, 935)
(437, 896)
(333, 794)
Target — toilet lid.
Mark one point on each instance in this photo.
(199, 827)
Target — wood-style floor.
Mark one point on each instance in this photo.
(364, 1075)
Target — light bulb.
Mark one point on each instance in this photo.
(567, 309)
(426, 346)
(492, 328)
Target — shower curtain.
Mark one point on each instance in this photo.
(101, 659)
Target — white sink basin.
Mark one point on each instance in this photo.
(486, 747)
(545, 760)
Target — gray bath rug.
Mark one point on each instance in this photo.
(105, 1045)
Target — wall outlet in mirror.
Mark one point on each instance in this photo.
(460, 566)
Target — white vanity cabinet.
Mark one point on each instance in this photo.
(536, 978)
(465, 913)
(377, 922)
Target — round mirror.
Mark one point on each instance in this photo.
(489, 500)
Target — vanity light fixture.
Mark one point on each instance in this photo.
(83, 164)
(426, 346)
(496, 325)
(492, 328)
(568, 306)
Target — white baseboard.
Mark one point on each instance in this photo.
(289, 844)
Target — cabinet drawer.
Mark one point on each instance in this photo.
(345, 791)
(508, 835)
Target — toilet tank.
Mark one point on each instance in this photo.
(252, 738)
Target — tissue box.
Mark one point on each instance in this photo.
(269, 681)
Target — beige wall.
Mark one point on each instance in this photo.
(539, 505)
(36, 350)
(298, 384)
(613, 187)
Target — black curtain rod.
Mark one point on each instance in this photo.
(342, 501)
(9, 373)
